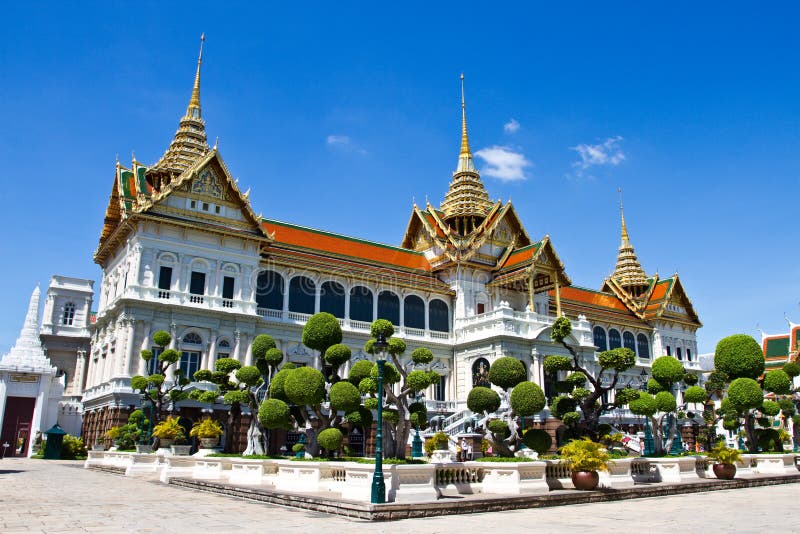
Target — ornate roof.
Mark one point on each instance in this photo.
(27, 354)
(628, 272)
(189, 142)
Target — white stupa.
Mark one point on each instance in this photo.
(27, 355)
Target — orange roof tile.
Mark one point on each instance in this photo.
(522, 255)
(320, 241)
(587, 296)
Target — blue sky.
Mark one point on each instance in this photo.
(337, 115)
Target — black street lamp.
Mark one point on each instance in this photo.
(378, 484)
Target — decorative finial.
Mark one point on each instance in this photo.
(625, 238)
(133, 155)
(216, 143)
(116, 157)
(464, 138)
(194, 103)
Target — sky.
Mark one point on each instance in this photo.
(339, 116)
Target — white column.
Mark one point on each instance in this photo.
(210, 354)
(402, 310)
(142, 365)
(317, 296)
(347, 303)
(375, 306)
(79, 384)
(127, 356)
(237, 343)
(248, 343)
(173, 344)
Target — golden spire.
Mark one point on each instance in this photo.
(628, 271)
(466, 199)
(194, 103)
(464, 139)
(189, 142)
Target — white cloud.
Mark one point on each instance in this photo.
(606, 153)
(503, 163)
(343, 143)
(511, 126)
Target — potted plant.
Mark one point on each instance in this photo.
(585, 458)
(725, 461)
(168, 431)
(207, 431)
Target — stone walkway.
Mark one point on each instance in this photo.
(53, 496)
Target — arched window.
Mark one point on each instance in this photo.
(480, 373)
(678, 353)
(643, 345)
(414, 312)
(269, 290)
(69, 314)
(389, 307)
(331, 299)
(302, 290)
(438, 319)
(600, 338)
(361, 304)
(614, 340)
(223, 349)
(192, 339)
(688, 355)
(628, 341)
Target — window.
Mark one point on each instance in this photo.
(197, 284)
(439, 319)
(643, 345)
(481, 308)
(678, 353)
(414, 312)
(480, 373)
(205, 206)
(628, 341)
(193, 204)
(361, 304)
(439, 389)
(189, 363)
(669, 351)
(688, 355)
(599, 338)
(153, 366)
(69, 314)
(389, 307)
(227, 287)
(223, 349)
(164, 281)
(614, 341)
(269, 290)
(192, 339)
(217, 210)
(331, 299)
(302, 294)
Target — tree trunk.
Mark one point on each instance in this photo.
(234, 415)
(255, 438)
(658, 436)
(750, 433)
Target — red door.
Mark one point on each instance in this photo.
(17, 425)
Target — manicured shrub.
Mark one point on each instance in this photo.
(668, 370)
(619, 359)
(645, 405)
(146, 355)
(274, 413)
(571, 418)
(690, 379)
(580, 393)
(261, 344)
(321, 331)
(418, 380)
(170, 356)
(422, 356)
(337, 354)
(138, 382)
(538, 440)
(787, 407)
(770, 408)
(499, 428)
(562, 405)
(359, 371)
(361, 417)
(744, 394)
(576, 379)
(694, 394)
(162, 338)
(227, 365)
(344, 397)
(739, 356)
(203, 375)
(330, 439)
(381, 326)
(654, 386)
(561, 329)
(792, 369)
(482, 399)
(665, 401)
(556, 363)
(391, 415)
(278, 384)
(506, 372)
(371, 403)
(390, 373)
(236, 397)
(769, 440)
(72, 448)
(396, 346)
(368, 385)
(273, 357)
(625, 395)
(305, 386)
(418, 419)
(526, 399)
(248, 375)
(778, 381)
(717, 380)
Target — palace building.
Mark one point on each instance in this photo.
(182, 250)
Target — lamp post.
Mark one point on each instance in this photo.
(416, 442)
(378, 484)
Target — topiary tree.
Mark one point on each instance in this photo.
(322, 331)
(538, 440)
(739, 356)
(399, 417)
(523, 400)
(330, 439)
(156, 387)
(590, 400)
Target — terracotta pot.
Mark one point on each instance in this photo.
(724, 471)
(585, 480)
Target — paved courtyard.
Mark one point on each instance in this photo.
(42, 496)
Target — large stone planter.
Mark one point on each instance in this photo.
(181, 450)
(144, 449)
(209, 443)
(442, 456)
(523, 478)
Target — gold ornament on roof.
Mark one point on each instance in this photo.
(628, 272)
(466, 200)
(189, 143)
